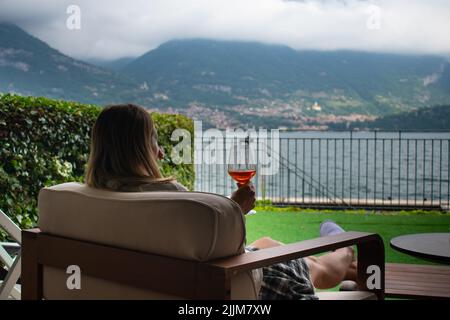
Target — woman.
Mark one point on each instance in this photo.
(124, 154)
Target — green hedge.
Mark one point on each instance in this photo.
(44, 142)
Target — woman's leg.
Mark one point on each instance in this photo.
(266, 242)
(352, 272)
(326, 271)
(329, 270)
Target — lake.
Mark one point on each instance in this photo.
(350, 169)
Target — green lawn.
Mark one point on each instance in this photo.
(291, 225)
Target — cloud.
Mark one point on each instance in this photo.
(112, 29)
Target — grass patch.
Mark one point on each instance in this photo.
(294, 224)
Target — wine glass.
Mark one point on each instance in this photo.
(242, 163)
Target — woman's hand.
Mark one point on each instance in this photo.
(245, 197)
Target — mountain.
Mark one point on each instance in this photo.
(30, 67)
(433, 118)
(341, 82)
(115, 65)
(232, 83)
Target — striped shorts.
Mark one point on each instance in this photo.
(286, 281)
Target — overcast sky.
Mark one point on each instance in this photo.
(113, 29)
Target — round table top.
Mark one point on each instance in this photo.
(430, 246)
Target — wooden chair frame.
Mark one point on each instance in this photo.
(182, 278)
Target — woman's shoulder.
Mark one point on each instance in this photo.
(171, 185)
(178, 186)
(143, 185)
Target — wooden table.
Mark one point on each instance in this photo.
(429, 246)
(413, 281)
(420, 281)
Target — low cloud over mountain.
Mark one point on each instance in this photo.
(113, 29)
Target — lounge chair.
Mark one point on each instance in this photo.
(160, 245)
(10, 257)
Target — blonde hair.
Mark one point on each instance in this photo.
(123, 148)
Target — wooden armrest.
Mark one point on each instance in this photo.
(270, 256)
(370, 252)
(32, 232)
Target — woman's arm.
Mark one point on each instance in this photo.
(245, 197)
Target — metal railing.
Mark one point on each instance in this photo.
(351, 169)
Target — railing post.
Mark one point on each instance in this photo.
(399, 167)
(351, 167)
(407, 172)
(375, 171)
